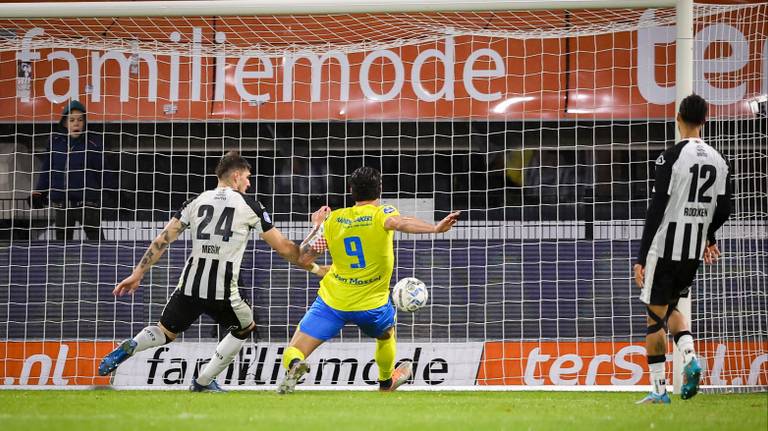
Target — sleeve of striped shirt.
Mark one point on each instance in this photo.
(260, 216)
(723, 209)
(182, 214)
(658, 202)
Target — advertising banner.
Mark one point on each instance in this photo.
(628, 74)
(51, 363)
(333, 364)
(609, 363)
(351, 364)
(176, 364)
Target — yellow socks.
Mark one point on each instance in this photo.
(289, 355)
(385, 357)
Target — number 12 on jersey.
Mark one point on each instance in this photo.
(354, 248)
(697, 194)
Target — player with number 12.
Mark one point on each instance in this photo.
(691, 200)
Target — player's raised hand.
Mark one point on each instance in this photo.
(447, 223)
(639, 274)
(711, 253)
(129, 285)
(319, 216)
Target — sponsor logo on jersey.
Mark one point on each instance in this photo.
(660, 161)
(266, 217)
(388, 210)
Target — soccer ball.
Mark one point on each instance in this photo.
(410, 294)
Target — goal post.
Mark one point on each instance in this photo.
(538, 119)
(683, 87)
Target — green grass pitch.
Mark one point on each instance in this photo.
(348, 410)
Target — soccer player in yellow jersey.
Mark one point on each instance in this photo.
(355, 288)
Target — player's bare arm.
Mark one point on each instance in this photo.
(159, 245)
(722, 212)
(639, 271)
(286, 248)
(308, 253)
(309, 249)
(408, 224)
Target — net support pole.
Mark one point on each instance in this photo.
(683, 87)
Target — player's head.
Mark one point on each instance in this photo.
(693, 111)
(73, 119)
(365, 184)
(234, 171)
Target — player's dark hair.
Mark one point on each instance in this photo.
(232, 161)
(365, 183)
(693, 110)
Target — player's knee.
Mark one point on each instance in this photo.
(169, 336)
(389, 333)
(655, 323)
(652, 329)
(243, 333)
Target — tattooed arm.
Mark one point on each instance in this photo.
(172, 231)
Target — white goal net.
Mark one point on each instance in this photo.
(541, 126)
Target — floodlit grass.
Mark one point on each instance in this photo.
(343, 410)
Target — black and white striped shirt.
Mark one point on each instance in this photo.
(220, 223)
(691, 200)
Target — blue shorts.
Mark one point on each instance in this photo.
(323, 322)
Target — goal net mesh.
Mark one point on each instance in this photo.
(540, 126)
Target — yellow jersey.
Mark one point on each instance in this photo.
(363, 257)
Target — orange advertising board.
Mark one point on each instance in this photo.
(48, 363)
(628, 74)
(609, 363)
(501, 363)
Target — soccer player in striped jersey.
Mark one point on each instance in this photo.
(691, 200)
(221, 221)
(355, 288)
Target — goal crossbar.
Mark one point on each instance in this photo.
(302, 7)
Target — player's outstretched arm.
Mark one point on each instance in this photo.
(314, 244)
(408, 224)
(172, 231)
(286, 248)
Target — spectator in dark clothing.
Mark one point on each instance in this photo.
(71, 177)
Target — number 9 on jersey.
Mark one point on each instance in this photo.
(410, 294)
